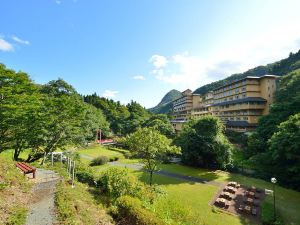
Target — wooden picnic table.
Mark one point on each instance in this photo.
(227, 195)
(250, 194)
(230, 189)
(248, 201)
(222, 202)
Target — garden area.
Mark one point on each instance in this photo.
(189, 202)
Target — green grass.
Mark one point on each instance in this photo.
(288, 201)
(8, 154)
(98, 150)
(78, 206)
(188, 203)
(14, 193)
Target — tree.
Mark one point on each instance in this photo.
(63, 119)
(284, 151)
(287, 103)
(151, 147)
(19, 99)
(204, 144)
(161, 123)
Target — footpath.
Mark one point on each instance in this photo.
(42, 208)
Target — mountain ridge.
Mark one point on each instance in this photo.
(165, 105)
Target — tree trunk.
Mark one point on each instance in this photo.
(151, 177)
(16, 153)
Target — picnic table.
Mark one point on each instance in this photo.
(230, 189)
(248, 201)
(234, 184)
(226, 195)
(222, 202)
(250, 194)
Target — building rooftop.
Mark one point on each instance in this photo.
(239, 123)
(248, 77)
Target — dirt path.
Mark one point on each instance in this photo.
(42, 208)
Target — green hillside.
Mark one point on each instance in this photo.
(165, 104)
(279, 68)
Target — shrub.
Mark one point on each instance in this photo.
(116, 182)
(113, 158)
(127, 155)
(85, 177)
(131, 211)
(101, 160)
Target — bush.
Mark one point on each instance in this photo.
(114, 158)
(85, 177)
(101, 160)
(127, 155)
(131, 211)
(116, 182)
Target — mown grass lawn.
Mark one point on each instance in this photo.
(98, 150)
(188, 203)
(288, 201)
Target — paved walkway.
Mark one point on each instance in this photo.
(42, 208)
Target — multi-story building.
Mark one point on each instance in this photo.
(238, 104)
(182, 108)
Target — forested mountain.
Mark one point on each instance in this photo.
(123, 119)
(279, 68)
(165, 104)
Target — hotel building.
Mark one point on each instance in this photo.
(238, 104)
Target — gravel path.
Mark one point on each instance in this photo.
(42, 208)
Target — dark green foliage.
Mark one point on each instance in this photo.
(279, 68)
(113, 158)
(165, 105)
(101, 160)
(161, 123)
(43, 118)
(274, 147)
(86, 177)
(123, 119)
(237, 138)
(204, 144)
(132, 212)
(284, 151)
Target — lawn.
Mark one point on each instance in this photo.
(288, 201)
(98, 150)
(188, 203)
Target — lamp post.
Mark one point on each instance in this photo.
(273, 180)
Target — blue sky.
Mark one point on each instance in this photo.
(140, 49)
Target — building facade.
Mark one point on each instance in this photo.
(238, 104)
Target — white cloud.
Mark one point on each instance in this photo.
(189, 71)
(109, 94)
(20, 41)
(5, 46)
(158, 61)
(139, 77)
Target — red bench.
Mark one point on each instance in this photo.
(26, 168)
